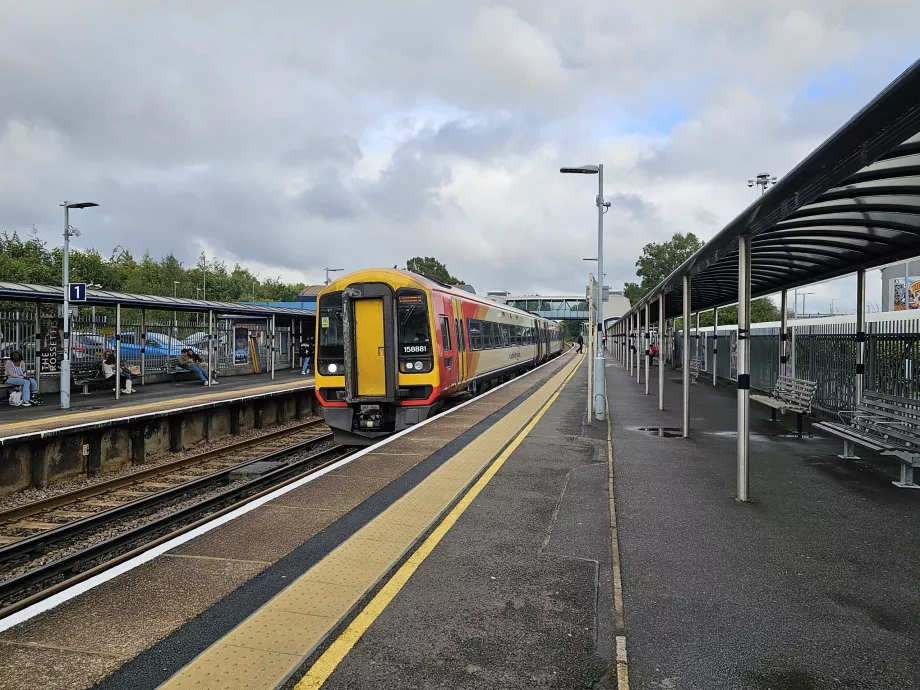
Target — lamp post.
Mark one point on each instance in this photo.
(600, 401)
(65, 360)
(331, 270)
(763, 181)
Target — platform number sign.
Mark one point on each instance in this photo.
(77, 292)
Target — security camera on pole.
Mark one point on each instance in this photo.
(600, 402)
(78, 296)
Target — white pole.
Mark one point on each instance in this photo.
(715, 346)
(648, 342)
(860, 334)
(661, 330)
(685, 356)
(588, 343)
(744, 364)
(274, 345)
(783, 333)
(65, 358)
(118, 351)
(600, 400)
(210, 346)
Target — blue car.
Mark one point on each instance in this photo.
(158, 345)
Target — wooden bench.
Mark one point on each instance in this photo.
(789, 395)
(87, 374)
(883, 423)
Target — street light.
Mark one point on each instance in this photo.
(69, 232)
(599, 398)
(331, 270)
(763, 181)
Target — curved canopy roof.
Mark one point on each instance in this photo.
(24, 292)
(853, 203)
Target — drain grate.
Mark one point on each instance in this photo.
(660, 431)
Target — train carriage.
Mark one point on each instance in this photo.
(392, 346)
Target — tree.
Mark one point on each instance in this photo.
(658, 261)
(431, 267)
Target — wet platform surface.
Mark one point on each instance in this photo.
(811, 586)
(101, 405)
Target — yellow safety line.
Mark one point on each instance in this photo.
(622, 662)
(337, 651)
(152, 406)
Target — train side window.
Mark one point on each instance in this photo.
(461, 340)
(475, 328)
(486, 335)
(445, 333)
(506, 337)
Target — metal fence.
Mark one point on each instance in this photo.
(824, 351)
(166, 336)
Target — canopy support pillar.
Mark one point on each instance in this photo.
(744, 364)
(860, 334)
(685, 356)
(661, 330)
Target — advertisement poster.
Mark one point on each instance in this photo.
(906, 293)
(240, 345)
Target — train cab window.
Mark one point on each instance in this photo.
(475, 329)
(445, 333)
(414, 332)
(330, 351)
(506, 337)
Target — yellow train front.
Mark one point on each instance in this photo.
(392, 346)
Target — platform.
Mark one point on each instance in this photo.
(157, 397)
(43, 445)
(812, 585)
(343, 535)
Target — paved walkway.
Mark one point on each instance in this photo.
(812, 586)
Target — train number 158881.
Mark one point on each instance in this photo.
(413, 349)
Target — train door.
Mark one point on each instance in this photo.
(370, 347)
(448, 347)
(462, 364)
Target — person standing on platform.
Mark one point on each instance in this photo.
(306, 354)
(16, 376)
(581, 343)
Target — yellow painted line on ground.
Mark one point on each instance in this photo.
(272, 643)
(338, 650)
(74, 418)
(622, 662)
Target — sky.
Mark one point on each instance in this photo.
(289, 136)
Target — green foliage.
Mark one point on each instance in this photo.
(30, 261)
(571, 329)
(762, 311)
(431, 267)
(658, 261)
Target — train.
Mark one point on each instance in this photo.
(393, 346)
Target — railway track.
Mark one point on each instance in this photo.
(33, 527)
(46, 579)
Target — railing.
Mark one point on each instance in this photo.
(824, 352)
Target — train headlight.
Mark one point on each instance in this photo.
(333, 368)
(419, 365)
(409, 366)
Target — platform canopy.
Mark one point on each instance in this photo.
(852, 203)
(23, 292)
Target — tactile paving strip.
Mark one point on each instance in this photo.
(263, 650)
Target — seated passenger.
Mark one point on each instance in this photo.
(187, 361)
(108, 371)
(16, 376)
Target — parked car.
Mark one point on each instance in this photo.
(157, 345)
(87, 346)
(198, 340)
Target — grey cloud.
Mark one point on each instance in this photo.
(267, 135)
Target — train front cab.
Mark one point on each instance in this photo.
(376, 372)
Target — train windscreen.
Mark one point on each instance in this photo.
(331, 346)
